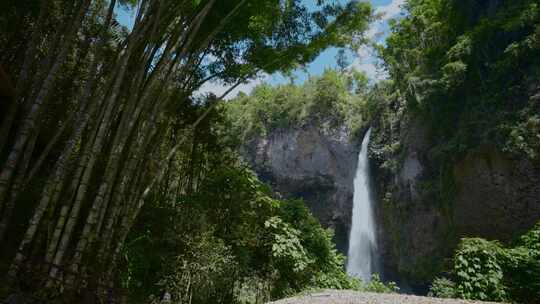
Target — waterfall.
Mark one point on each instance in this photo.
(362, 242)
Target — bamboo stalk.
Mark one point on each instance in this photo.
(93, 157)
(53, 187)
(118, 146)
(17, 186)
(30, 122)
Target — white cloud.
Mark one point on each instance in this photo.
(390, 10)
(385, 13)
(370, 68)
(219, 88)
(366, 57)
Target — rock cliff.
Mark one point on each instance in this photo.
(312, 163)
(423, 210)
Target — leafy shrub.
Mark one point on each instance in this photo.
(378, 286)
(523, 135)
(322, 266)
(286, 246)
(374, 285)
(231, 242)
(442, 288)
(485, 270)
(207, 266)
(478, 270)
(522, 268)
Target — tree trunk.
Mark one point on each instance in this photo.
(29, 57)
(29, 123)
(54, 186)
(119, 145)
(96, 149)
(128, 176)
(17, 186)
(83, 161)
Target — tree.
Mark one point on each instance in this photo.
(93, 127)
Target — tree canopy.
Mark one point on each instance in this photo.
(469, 68)
(331, 101)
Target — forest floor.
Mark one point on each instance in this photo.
(354, 297)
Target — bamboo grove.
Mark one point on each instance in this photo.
(98, 112)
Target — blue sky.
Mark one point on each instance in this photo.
(365, 61)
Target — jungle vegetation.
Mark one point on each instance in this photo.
(470, 71)
(119, 181)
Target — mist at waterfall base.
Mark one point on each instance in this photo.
(362, 255)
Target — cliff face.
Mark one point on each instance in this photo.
(409, 226)
(497, 197)
(423, 213)
(314, 164)
(422, 210)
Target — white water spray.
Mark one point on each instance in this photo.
(362, 241)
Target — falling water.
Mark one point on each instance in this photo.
(362, 243)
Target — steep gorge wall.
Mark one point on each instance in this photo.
(423, 212)
(314, 164)
(412, 230)
(456, 151)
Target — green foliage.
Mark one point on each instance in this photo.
(332, 100)
(523, 267)
(279, 36)
(442, 288)
(230, 242)
(524, 137)
(531, 239)
(374, 285)
(286, 246)
(324, 265)
(378, 286)
(479, 271)
(468, 69)
(485, 270)
(208, 265)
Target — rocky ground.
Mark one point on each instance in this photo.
(353, 297)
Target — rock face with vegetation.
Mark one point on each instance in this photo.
(497, 196)
(455, 134)
(455, 152)
(412, 230)
(487, 194)
(315, 165)
(303, 141)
